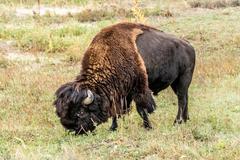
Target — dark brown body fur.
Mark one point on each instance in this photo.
(113, 70)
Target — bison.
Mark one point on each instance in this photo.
(126, 62)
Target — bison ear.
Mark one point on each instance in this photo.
(89, 99)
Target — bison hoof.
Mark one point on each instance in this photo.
(147, 126)
(186, 118)
(112, 129)
(180, 121)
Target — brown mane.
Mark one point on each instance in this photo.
(113, 58)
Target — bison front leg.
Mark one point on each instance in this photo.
(145, 104)
(144, 115)
(114, 124)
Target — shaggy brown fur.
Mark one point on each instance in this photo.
(113, 69)
(112, 64)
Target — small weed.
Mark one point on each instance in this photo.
(3, 61)
(137, 12)
(203, 133)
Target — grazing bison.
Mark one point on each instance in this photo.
(126, 62)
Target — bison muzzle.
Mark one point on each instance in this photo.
(126, 62)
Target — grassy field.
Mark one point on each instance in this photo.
(39, 53)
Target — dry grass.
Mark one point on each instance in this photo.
(29, 128)
(48, 2)
(214, 3)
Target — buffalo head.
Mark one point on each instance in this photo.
(80, 110)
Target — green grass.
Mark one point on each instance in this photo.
(69, 39)
(29, 128)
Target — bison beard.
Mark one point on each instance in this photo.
(125, 62)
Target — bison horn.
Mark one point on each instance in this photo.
(89, 99)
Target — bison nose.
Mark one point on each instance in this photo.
(82, 115)
(78, 115)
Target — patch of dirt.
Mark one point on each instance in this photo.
(42, 10)
(11, 53)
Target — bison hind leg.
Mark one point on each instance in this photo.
(180, 87)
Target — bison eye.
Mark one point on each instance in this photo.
(85, 105)
(93, 107)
